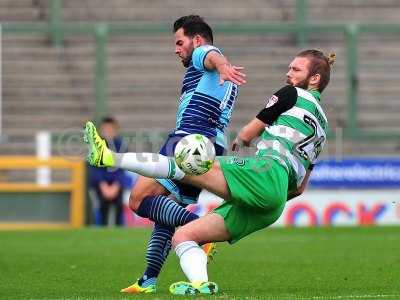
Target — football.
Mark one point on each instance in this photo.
(194, 154)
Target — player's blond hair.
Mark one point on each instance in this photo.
(319, 64)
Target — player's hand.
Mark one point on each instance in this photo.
(227, 72)
(235, 147)
(237, 144)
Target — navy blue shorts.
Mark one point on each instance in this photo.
(185, 193)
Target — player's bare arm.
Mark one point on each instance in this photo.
(281, 101)
(228, 72)
(250, 131)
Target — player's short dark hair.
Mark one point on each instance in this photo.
(193, 25)
(319, 64)
(109, 120)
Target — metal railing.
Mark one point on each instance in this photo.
(74, 187)
(58, 30)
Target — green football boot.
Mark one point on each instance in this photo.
(98, 154)
(211, 250)
(187, 288)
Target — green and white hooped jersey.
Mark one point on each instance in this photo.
(298, 134)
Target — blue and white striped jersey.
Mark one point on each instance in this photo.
(205, 107)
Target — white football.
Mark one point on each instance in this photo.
(194, 154)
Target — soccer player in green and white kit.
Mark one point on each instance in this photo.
(293, 130)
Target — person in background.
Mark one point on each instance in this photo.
(108, 183)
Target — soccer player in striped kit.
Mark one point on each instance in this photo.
(208, 94)
(292, 128)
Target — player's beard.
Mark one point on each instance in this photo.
(302, 84)
(186, 60)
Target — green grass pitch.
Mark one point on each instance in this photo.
(277, 263)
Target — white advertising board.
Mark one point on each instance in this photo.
(343, 207)
(320, 208)
(334, 208)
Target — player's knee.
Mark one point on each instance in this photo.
(135, 199)
(132, 204)
(180, 236)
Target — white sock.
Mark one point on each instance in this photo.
(149, 165)
(193, 261)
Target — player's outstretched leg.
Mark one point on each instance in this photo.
(147, 164)
(187, 288)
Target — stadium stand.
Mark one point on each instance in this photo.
(52, 88)
(225, 11)
(19, 11)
